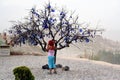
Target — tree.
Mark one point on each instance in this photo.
(51, 24)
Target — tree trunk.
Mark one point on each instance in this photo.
(55, 53)
(55, 56)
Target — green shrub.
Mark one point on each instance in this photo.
(23, 73)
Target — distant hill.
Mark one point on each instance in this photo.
(92, 48)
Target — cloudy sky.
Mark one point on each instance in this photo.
(104, 13)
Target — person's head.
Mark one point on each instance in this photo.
(51, 42)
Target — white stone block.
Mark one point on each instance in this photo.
(4, 50)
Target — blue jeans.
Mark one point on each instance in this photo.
(51, 62)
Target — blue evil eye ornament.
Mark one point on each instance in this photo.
(52, 10)
(24, 42)
(51, 20)
(70, 16)
(49, 6)
(37, 14)
(80, 30)
(22, 39)
(88, 32)
(66, 23)
(19, 32)
(33, 10)
(45, 24)
(87, 40)
(35, 43)
(76, 40)
(61, 13)
(83, 34)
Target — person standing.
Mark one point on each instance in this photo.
(51, 51)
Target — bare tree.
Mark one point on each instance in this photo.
(51, 24)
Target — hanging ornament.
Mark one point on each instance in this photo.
(49, 6)
(88, 32)
(70, 16)
(45, 24)
(87, 40)
(32, 41)
(19, 32)
(23, 42)
(81, 30)
(75, 41)
(33, 10)
(52, 10)
(50, 20)
(37, 14)
(40, 36)
(35, 43)
(83, 34)
(66, 23)
(61, 13)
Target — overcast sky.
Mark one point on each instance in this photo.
(104, 12)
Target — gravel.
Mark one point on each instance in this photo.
(80, 69)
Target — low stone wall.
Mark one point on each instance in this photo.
(4, 50)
